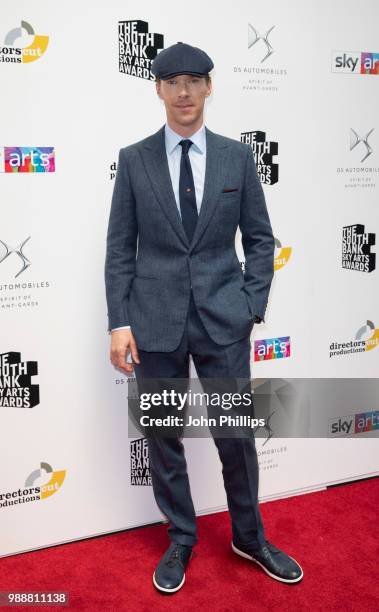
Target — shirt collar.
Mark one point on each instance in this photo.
(172, 139)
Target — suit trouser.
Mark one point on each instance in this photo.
(238, 455)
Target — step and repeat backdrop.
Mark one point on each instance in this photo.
(296, 80)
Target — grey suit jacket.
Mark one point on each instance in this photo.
(150, 265)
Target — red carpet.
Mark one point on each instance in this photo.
(333, 534)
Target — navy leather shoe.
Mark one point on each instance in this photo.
(273, 561)
(169, 575)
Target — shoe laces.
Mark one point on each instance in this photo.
(174, 557)
(272, 548)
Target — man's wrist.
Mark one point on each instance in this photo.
(117, 328)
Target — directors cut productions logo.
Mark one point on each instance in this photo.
(137, 48)
(356, 248)
(32, 491)
(272, 348)
(139, 462)
(263, 151)
(282, 255)
(355, 62)
(353, 424)
(16, 388)
(27, 159)
(366, 339)
(23, 45)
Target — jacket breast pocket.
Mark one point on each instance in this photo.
(229, 197)
(145, 276)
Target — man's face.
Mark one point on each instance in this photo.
(184, 97)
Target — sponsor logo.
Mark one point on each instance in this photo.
(139, 463)
(23, 45)
(361, 147)
(356, 248)
(263, 151)
(282, 255)
(356, 139)
(355, 62)
(254, 37)
(272, 348)
(16, 388)
(36, 487)
(18, 251)
(27, 159)
(366, 339)
(137, 48)
(354, 424)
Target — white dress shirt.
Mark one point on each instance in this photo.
(197, 154)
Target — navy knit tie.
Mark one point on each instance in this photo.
(187, 194)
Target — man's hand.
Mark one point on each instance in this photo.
(122, 341)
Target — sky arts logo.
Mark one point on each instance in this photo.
(27, 159)
(272, 348)
(355, 62)
(36, 486)
(353, 424)
(263, 151)
(282, 255)
(137, 48)
(366, 339)
(23, 45)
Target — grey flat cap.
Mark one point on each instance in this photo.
(181, 59)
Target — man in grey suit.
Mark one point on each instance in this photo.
(181, 194)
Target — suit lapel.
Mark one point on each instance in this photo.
(216, 162)
(156, 165)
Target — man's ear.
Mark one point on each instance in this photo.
(158, 88)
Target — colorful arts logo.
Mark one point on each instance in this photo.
(355, 62)
(354, 424)
(367, 421)
(272, 348)
(23, 45)
(27, 159)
